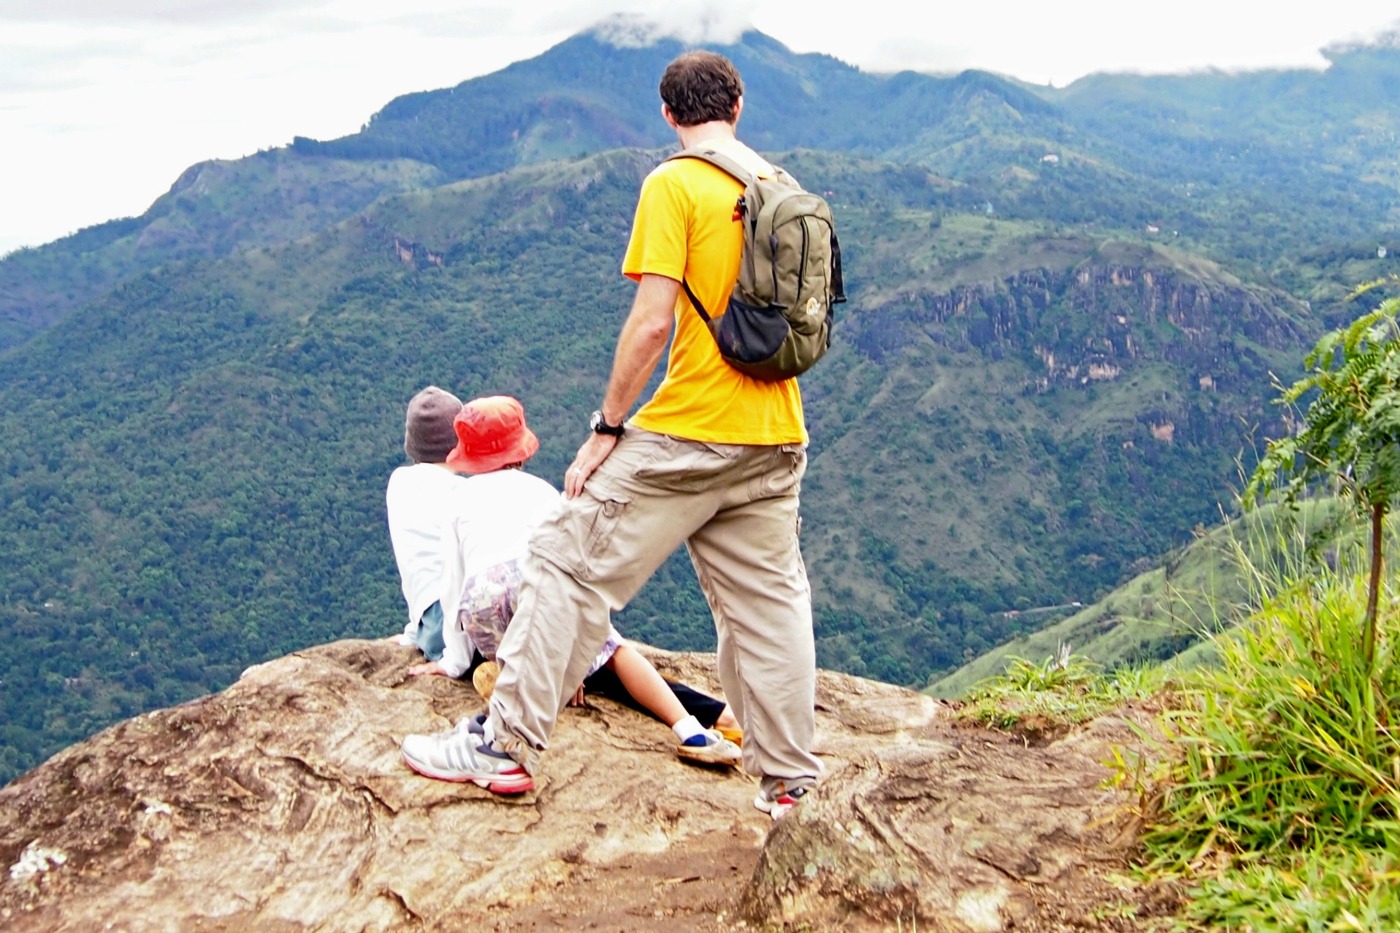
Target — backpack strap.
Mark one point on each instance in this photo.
(727, 164)
(719, 160)
(695, 302)
(838, 282)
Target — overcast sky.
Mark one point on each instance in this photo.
(103, 103)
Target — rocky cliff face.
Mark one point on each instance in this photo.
(281, 804)
(1097, 319)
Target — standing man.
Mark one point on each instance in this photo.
(713, 460)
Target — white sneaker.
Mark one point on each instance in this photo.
(781, 800)
(461, 754)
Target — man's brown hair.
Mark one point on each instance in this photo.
(700, 87)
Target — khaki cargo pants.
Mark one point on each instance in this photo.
(735, 507)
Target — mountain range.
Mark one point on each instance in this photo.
(1067, 311)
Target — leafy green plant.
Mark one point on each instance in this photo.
(1350, 433)
(1282, 802)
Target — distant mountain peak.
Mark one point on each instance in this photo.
(701, 23)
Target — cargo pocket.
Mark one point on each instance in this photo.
(796, 457)
(580, 535)
(784, 473)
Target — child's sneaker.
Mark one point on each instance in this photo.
(777, 802)
(460, 754)
(732, 733)
(710, 748)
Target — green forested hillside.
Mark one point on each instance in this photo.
(212, 209)
(1168, 614)
(1035, 391)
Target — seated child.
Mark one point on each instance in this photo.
(504, 506)
(424, 500)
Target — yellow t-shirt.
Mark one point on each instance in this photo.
(685, 228)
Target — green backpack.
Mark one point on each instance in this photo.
(778, 322)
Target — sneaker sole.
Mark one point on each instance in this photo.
(505, 786)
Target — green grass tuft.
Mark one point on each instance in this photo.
(1062, 691)
(1281, 808)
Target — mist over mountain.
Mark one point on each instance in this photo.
(1066, 309)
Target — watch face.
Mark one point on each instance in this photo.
(599, 426)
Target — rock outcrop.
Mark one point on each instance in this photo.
(282, 804)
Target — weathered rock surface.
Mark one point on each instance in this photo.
(282, 804)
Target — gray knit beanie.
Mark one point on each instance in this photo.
(428, 435)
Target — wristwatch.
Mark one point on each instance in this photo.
(599, 425)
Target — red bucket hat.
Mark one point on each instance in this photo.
(491, 433)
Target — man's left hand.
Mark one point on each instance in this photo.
(590, 456)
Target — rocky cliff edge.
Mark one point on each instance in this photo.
(281, 804)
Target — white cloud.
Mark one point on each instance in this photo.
(129, 12)
(693, 22)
